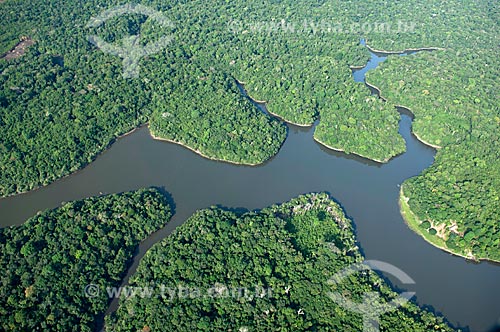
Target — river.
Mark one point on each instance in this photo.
(466, 293)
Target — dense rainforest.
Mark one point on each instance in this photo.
(283, 256)
(65, 101)
(454, 95)
(48, 262)
(459, 194)
(219, 125)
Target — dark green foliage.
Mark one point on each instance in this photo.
(47, 263)
(365, 126)
(425, 225)
(292, 249)
(61, 118)
(58, 120)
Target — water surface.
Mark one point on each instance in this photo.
(466, 293)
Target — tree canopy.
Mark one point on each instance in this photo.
(48, 262)
(65, 101)
(283, 256)
(454, 95)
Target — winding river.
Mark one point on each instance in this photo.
(466, 293)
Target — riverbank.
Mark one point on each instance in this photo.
(198, 152)
(413, 223)
(302, 125)
(384, 161)
(108, 146)
(379, 92)
(408, 50)
(264, 103)
(356, 67)
(437, 147)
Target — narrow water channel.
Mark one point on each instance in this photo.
(466, 293)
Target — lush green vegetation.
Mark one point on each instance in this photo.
(220, 125)
(455, 24)
(292, 249)
(302, 71)
(47, 262)
(454, 95)
(367, 131)
(64, 102)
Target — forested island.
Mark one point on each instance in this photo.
(48, 262)
(289, 251)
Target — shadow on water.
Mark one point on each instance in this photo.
(467, 294)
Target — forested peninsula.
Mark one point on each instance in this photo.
(283, 256)
(65, 101)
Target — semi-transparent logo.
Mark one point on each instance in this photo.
(371, 307)
(130, 50)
